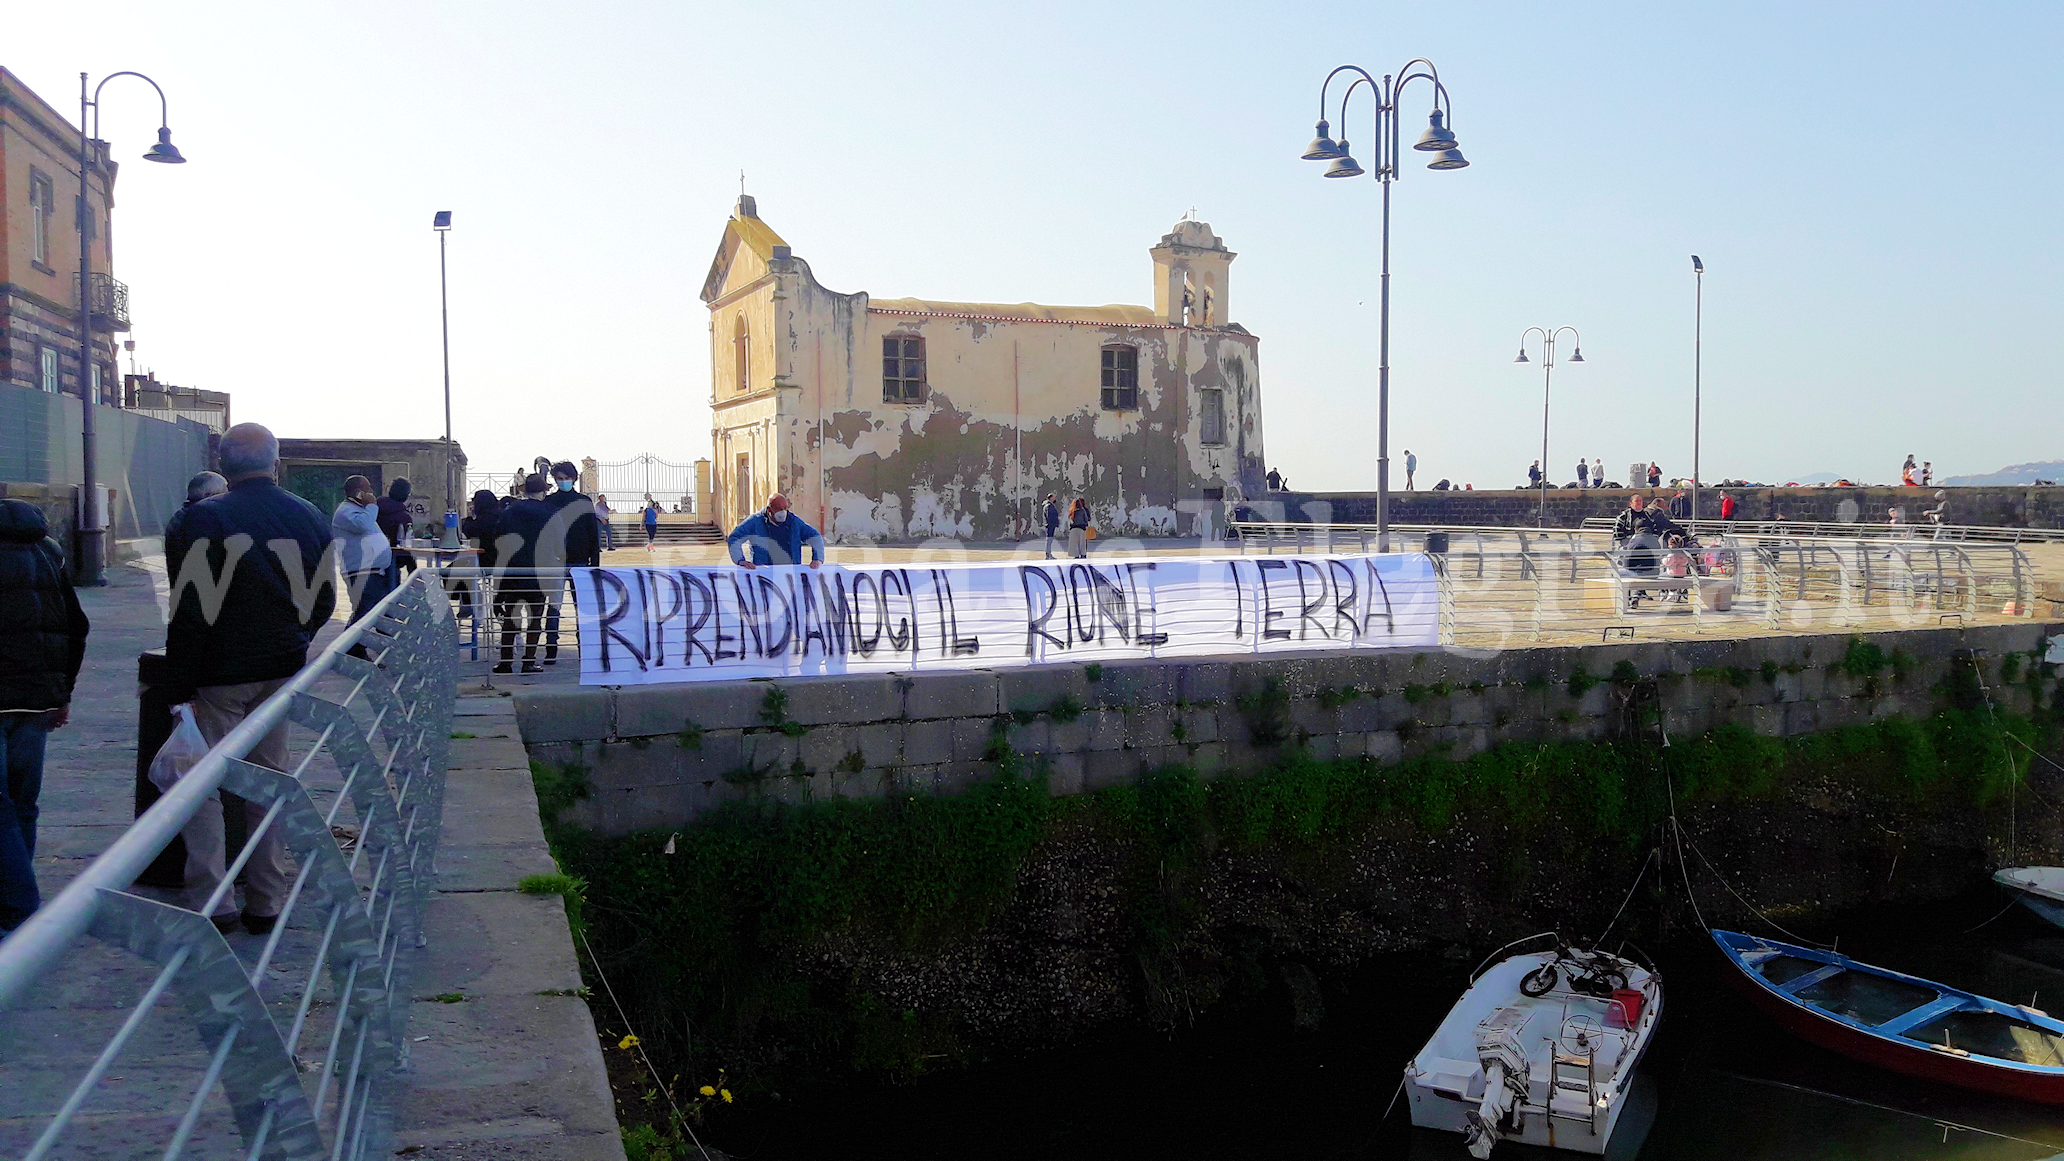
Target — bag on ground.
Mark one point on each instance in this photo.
(180, 751)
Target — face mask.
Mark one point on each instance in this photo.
(780, 517)
(564, 485)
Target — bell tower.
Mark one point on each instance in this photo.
(1191, 266)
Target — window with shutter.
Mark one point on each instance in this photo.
(42, 205)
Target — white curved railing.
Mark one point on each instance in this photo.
(301, 1038)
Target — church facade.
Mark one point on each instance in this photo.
(908, 419)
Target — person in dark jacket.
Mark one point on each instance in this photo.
(581, 533)
(42, 643)
(1078, 528)
(396, 521)
(478, 526)
(519, 532)
(199, 488)
(774, 536)
(1053, 521)
(251, 584)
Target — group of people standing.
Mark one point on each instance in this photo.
(526, 544)
(247, 561)
(1080, 529)
(1916, 477)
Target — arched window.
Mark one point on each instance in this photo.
(741, 355)
(1121, 378)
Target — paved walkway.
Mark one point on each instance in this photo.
(510, 1071)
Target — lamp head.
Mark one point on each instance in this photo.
(442, 221)
(1322, 147)
(1578, 357)
(1344, 165)
(1437, 136)
(1522, 356)
(164, 150)
(1448, 159)
(1697, 267)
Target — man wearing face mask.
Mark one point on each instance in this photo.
(775, 536)
(573, 518)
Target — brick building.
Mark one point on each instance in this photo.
(39, 251)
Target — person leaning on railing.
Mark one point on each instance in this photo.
(774, 536)
(250, 588)
(42, 642)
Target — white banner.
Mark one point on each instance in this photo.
(648, 625)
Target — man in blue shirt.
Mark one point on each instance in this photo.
(775, 536)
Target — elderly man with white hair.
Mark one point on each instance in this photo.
(236, 635)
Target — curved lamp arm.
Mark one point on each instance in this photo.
(164, 107)
(1346, 68)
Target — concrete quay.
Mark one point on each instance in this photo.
(658, 756)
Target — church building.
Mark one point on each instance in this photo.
(904, 418)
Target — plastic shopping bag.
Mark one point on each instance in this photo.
(180, 751)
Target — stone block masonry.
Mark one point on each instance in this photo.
(658, 756)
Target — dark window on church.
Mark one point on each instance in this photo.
(1121, 378)
(1211, 415)
(903, 378)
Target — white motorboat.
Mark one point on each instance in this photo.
(2040, 889)
(1541, 1049)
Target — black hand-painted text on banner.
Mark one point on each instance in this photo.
(649, 625)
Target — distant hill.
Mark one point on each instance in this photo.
(2016, 474)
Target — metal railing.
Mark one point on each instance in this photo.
(1830, 530)
(110, 301)
(530, 611)
(1507, 586)
(301, 1037)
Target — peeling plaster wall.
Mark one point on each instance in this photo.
(744, 409)
(1013, 412)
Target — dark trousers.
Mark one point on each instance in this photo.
(513, 600)
(368, 588)
(555, 592)
(21, 783)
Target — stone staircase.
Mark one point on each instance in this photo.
(629, 532)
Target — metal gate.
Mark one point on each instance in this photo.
(628, 483)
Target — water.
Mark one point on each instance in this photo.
(1241, 1083)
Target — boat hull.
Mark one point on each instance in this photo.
(1883, 1052)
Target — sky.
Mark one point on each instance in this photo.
(1871, 186)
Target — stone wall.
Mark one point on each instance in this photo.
(2006, 507)
(657, 756)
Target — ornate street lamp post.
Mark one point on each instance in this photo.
(90, 565)
(1439, 140)
(1548, 372)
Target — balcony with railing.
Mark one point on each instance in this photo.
(110, 303)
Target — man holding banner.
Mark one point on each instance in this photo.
(775, 536)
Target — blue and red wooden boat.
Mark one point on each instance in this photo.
(1901, 1022)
